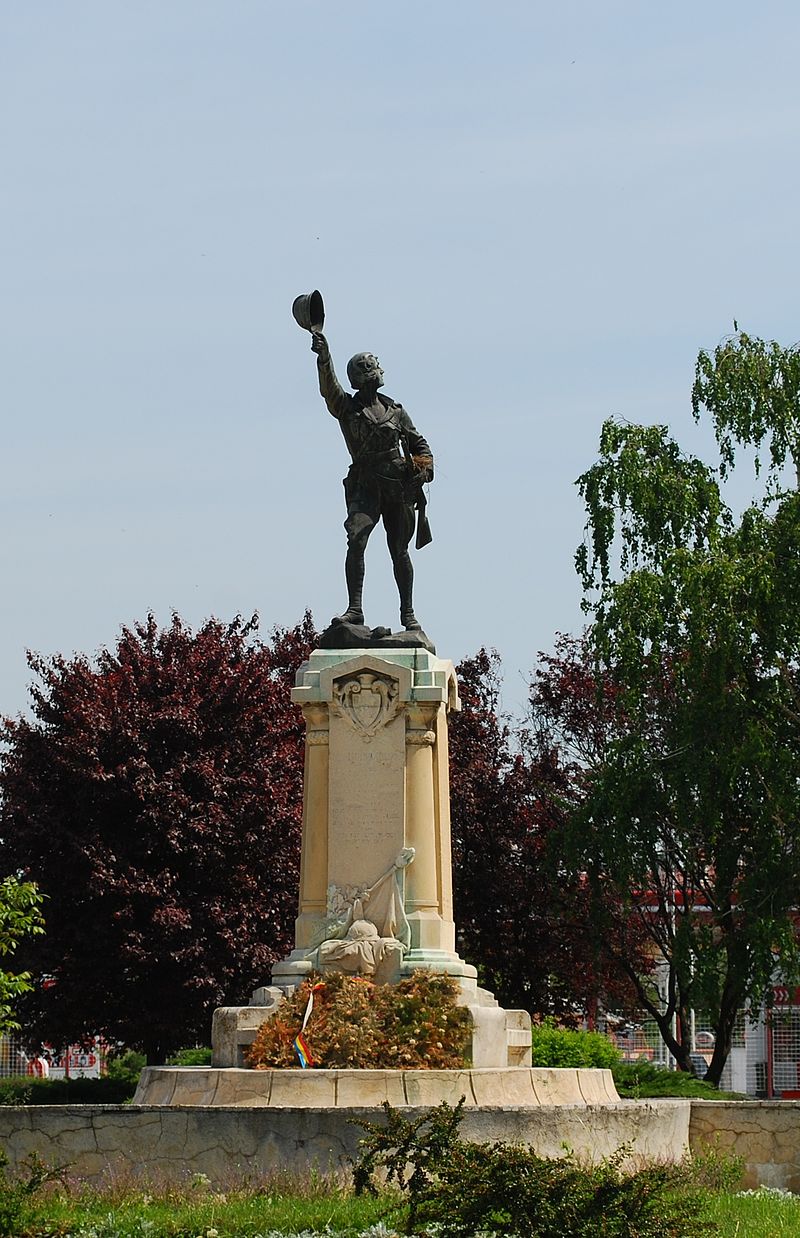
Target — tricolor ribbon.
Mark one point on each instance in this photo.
(300, 1043)
(302, 1050)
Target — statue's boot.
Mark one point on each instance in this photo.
(404, 575)
(354, 577)
(352, 615)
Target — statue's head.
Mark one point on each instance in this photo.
(363, 370)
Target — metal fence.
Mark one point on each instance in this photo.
(784, 1031)
(642, 1040)
(79, 1061)
(13, 1058)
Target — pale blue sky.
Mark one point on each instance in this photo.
(534, 214)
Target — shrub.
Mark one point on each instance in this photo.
(22, 1090)
(561, 1046)
(639, 1079)
(126, 1064)
(15, 1091)
(415, 1024)
(16, 1194)
(463, 1189)
(200, 1055)
(713, 1168)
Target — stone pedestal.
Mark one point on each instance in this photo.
(376, 783)
(376, 843)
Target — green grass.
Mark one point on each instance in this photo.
(755, 1216)
(41, 1201)
(191, 1212)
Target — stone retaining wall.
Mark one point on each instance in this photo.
(225, 1141)
(169, 1142)
(765, 1133)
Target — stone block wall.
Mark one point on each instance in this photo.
(170, 1142)
(765, 1133)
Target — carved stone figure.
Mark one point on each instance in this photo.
(391, 461)
(367, 933)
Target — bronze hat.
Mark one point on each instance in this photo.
(309, 311)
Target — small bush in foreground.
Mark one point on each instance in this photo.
(507, 1190)
(415, 1024)
(562, 1046)
(16, 1194)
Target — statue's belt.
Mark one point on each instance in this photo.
(390, 454)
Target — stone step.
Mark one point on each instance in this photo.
(528, 1087)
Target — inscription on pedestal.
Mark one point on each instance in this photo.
(377, 789)
(367, 777)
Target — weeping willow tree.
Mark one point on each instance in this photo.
(693, 817)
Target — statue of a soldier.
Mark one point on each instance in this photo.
(390, 463)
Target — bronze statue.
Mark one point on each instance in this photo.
(391, 461)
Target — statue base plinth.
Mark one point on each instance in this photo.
(346, 636)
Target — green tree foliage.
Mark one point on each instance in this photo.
(751, 388)
(692, 812)
(20, 917)
(581, 712)
(521, 916)
(156, 796)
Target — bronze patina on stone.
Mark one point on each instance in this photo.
(391, 462)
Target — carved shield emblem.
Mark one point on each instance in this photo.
(367, 701)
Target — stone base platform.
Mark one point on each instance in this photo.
(521, 1087)
(165, 1143)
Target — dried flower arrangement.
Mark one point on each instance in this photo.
(356, 1024)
